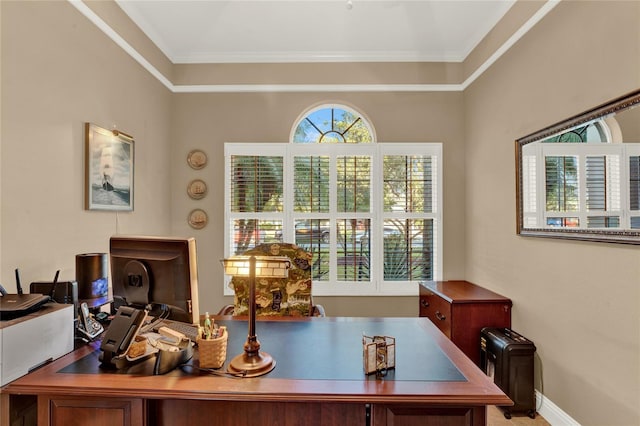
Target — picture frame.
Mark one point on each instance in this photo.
(109, 169)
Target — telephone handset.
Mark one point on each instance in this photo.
(88, 325)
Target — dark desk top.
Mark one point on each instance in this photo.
(318, 359)
(320, 350)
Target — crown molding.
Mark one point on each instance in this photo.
(531, 22)
(312, 57)
(248, 88)
(252, 88)
(117, 39)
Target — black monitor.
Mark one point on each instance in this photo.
(158, 273)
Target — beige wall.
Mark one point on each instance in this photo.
(206, 121)
(59, 71)
(578, 301)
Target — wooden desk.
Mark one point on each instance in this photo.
(318, 380)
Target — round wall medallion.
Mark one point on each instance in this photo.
(198, 219)
(197, 189)
(197, 159)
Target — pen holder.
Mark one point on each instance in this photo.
(213, 352)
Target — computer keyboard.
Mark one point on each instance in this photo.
(189, 330)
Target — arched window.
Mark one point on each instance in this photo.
(332, 124)
(370, 213)
(594, 132)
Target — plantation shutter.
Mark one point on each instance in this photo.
(407, 240)
(255, 188)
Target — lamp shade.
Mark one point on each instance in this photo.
(266, 266)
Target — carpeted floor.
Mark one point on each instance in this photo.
(495, 417)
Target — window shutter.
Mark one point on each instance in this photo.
(256, 183)
(562, 183)
(353, 183)
(255, 188)
(634, 182)
(311, 182)
(407, 241)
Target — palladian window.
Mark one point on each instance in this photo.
(369, 212)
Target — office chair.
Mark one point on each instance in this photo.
(277, 296)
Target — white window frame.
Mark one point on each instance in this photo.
(581, 151)
(630, 150)
(333, 287)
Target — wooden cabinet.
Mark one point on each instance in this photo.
(461, 309)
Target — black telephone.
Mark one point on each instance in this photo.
(88, 326)
(122, 332)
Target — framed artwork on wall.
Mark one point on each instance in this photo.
(109, 169)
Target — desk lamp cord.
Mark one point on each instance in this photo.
(242, 373)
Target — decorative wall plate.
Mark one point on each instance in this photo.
(198, 219)
(197, 189)
(197, 159)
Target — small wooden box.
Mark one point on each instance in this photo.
(379, 354)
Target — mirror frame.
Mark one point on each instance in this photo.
(612, 236)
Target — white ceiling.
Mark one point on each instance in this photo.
(216, 31)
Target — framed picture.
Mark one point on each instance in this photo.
(109, 170)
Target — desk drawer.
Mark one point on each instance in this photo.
(437, 310)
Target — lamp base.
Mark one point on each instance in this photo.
(251, 366)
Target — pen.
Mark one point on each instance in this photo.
(213, 329)
(207, 326)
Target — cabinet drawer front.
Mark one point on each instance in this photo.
(108, 411)
(437, 310)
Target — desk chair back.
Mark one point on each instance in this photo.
(289, 296)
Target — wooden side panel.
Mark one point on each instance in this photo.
(470, 318)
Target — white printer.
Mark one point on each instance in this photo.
(34, 339)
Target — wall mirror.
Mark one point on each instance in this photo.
(580, 178)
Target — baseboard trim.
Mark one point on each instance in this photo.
(552, 413)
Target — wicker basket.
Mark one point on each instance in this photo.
(213, 353)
